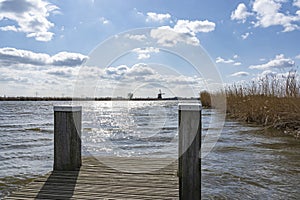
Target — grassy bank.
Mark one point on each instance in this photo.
(271, 102)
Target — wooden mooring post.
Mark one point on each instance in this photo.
(189, 169)
(67, 138)
(97, 180)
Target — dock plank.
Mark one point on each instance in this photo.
(98, 178)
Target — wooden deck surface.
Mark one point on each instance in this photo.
(139, 178)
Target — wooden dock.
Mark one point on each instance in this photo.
(114, 177)
(144, 179)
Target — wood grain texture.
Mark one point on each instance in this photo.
(189, 169)
(67, 140)
(96, 180)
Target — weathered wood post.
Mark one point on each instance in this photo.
(67, 138)
(189, 169)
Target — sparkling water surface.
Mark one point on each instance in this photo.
(246, 163)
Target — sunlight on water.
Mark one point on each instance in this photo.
(131, 128)
(246, 163)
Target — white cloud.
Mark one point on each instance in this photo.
(155, 17)
(298, 56)
(229, 61)
(144, 53)
(184, 31)
(181, 80)
(240, 74)
(30, 16)
(246, 35)
(50, 80)
(142, 74)
(241, 13)
(186, 26)
(136, 37)
(267, 13)
(9, 28)
(279, 62)
(237, 64)
(296, 3)
(41, 36)
(46, 80)
(140, 70)
(104, 21)
(222, 60)
(267, 73)
(67, 59)
(12, 56)
(166, 36)
(66, 72)
(115, 73)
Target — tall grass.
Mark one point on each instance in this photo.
(270, 101)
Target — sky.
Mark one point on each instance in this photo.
(116, 47)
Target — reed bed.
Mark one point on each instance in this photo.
(271, 101)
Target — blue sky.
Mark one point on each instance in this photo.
(43, 43)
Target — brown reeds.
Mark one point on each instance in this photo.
(271, 101)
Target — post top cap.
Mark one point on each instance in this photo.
(67, 108)
(190, 106)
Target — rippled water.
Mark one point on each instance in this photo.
(246, 163)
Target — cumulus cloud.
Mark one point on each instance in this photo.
(267, 13)
(12, 56)
(167, 36)
(115, 73)
(141, 79)
(298, 56)
(64, 72)
(52, 80)
(144, 53)
(222, 60)
(141, 73)
(155, 17)
(186, 26)
(279, 62)
(125, 72)
(241, 13)
(136, 37)
(67, 59)
(46, 80)
(240, 74)
(237, 64)
(140, 70)
(183, 31)
(232, 61)
(297, 3)
(9, 28)
(31, 17)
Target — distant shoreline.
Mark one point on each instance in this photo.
(92, 99)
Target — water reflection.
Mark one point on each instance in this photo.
(248, 163)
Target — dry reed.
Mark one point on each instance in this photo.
(271, 101)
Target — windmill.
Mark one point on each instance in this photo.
(159, 96)
(130, 95)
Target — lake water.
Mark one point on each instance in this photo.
(246, 163)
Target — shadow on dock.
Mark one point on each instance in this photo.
(59, 183)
